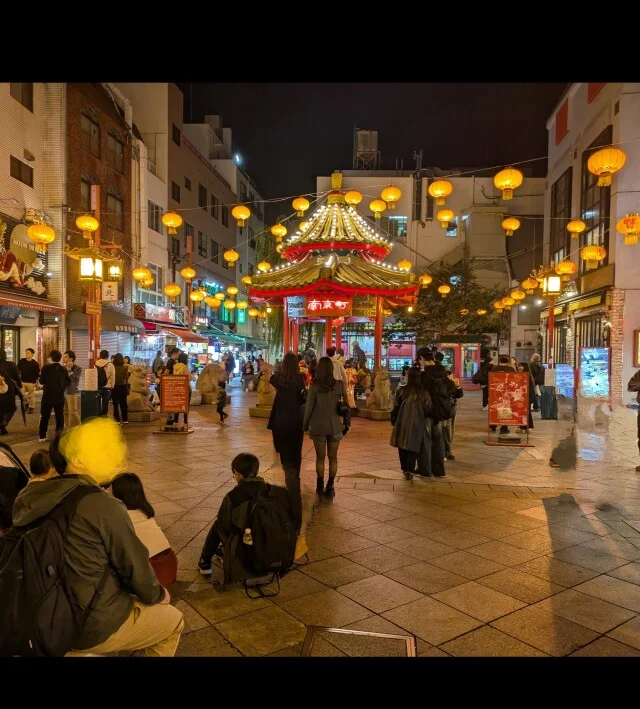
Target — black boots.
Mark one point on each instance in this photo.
(329, 490)
(320, 486)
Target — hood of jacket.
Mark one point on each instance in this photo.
(38, 498)
(102, 362)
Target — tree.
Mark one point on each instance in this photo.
(434, 315)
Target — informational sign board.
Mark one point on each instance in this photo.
(91, 379)
(595, 374)
(158, 313)
(92, 308)
(174, 394)
(329, 306)
(508, 399)
(295, 305)
(565, 380)
(110, 292)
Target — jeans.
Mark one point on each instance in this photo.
(55, 404)
(409, 459)
(119, 399)
(448, 429)
(71, 410)
(30, 388)
(105, 393)
(437, 450)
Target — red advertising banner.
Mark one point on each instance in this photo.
(508, 398)
(174, 394)
(333, 306)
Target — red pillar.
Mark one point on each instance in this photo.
(339, 336)
(285, 326)
(94, 293)
(328, 335)
(377, 336)
(296, 336)
(551, 325)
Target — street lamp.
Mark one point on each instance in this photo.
(551, 289)
(91, 268)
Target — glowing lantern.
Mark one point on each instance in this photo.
(242, 305)
(268, 310)
(409, 308)
(303, 226)
(508, 302)
(518, 294)
(279, 230)
(605, 163)
(444, 289)
(220, 295)
(141, 274)
(353, 198)
(593, 254)
(391, 195)
(90, 268)
(280, 248)
(508, 180)
(87, 225)
(481, 311)
(172, 221)
(212, 302)
(439, 190)
(231, 256)
(565, 269)
(42, 235)
(197, 296)
(263, 266)
(147, 282)
(576, 227)
(464, 311)
(529, 285)
(630, 227)
(404, 265)
(444, 216)
(172, 290)
(510, 224)
(188, 273)
(246, 280)
(232, 290)
(240, 213)
(253, 312)
(377, 207)
(498, 305)
(425, 279)
(300, 204)
(229, 304)
(115, 271)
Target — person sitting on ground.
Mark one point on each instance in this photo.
(40, 466)
(132, 612)
(223, 400)
(128, 488)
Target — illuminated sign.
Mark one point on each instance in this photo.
(329, 306)
(147, 311)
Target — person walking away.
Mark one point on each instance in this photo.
(448, 427)
(29, 371)
(8, 393)
(524, 367)
(410, 434)
(230, 366)
(248, 374)
(634, 385)
(338, 368)
(158, 363)
(537, 372)
(106, 380)
(481, 377)
(107, 572)
(128, 488)
(120, 390)
(54, 379)
(223, 400)
(71, 394)
(285, 424)
(327, 417)
(404, 376)
(502, 366)
(182, 367)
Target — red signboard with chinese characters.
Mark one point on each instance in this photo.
(332, 306)
(508, 398)
(174, 393)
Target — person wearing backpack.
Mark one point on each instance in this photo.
(106, 379)
(101, 593)
(54, 379)
(481, 377)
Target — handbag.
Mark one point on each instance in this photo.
(537, 390)
(343, 406)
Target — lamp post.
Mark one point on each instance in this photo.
(551, 289)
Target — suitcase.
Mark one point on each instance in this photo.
(90, 404)
(548, 403)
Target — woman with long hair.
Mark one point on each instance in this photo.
(411, 431)
(327, 417)
(524, 367)
(120, 389)
(285, 424)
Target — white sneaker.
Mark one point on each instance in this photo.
(42, 440)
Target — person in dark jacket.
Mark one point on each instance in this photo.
(120, 390)
(634, 385)
(481, 377)
(524, 367)
(449, 426)
(285, 424)
(411, 433)
(537, 372)
(29, 370)
(8, 393)
(502, 366)
(9, 370)
(54, 378)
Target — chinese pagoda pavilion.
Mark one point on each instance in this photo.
(336, 271)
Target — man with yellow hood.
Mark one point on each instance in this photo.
(132, 612)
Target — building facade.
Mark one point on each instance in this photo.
(600, 306)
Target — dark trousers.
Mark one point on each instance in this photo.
(211, 543)
(424, 458)
(105, 393)
(503, 429)
(119, 399)
(485, 396)
(49, 404)
(410, 459)
(289, 447)
(448, 429)
(437, 450)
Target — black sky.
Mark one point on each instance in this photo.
(288, 133)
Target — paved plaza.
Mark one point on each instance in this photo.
(506, 556)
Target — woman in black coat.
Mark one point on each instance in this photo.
(524, 367)
(8, 393)
(285, 424)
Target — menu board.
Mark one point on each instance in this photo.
(594, 372)
(508, 398)
(565, 380)
(174, 393)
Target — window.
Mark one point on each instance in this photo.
(239, 266)
(560, 217)
(225, 216)
(115, 213)
(21, 171)
(214, 251)
(589, 332)
(154, 217)
(153, 294)
(175, 247)
(595, 201)
(202, 197)
(187, 183)
(115, 153)
(215, 207)
(175, 134)
(24, 94)
(225, 264)
(90, 135)
(85, 195)
(202, 244)
(252, 241)
(175, 192)
(396, 227)
(188, 231)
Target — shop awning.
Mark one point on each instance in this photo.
(184, 334)
(110, 320)
(32, 304)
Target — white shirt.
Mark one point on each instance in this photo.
(109, 370)
(339, 372)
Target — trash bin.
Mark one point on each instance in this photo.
(90, 404)
(548, 403)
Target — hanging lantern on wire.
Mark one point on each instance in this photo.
(464, 311)
(499, 306)
(481, 311)
(172, 290)
(510, 224)
(242, 305)
(377, 206)
(263, 266)
(246, 280)
(391, 195)
(444, 216)
(279, 230)
(232, 290)
(440, 190)
(593, 254)
(231, 256)
(353, 198)
(197, 296)
(303, 226)
(141, 274)
(300, 204)
(576, 227)
(508, 180)
(212, 302)
(444, 289)
(566, 269)
(229, 304)
(188, 273)
(518, 294)
(629, 225)
(604, 163)
(41, 234)
(529, 285)
(253, 312)
(404, 265)
(147, 282)
(425, 280)
(508, 302)
(87, 225)
(172, 221)
(240, 213)
(220, 295)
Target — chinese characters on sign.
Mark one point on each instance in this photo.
(331, 306)
(295, 305)
(508, 398)
(174, 394)
(110, 292)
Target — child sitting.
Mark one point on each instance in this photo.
(223, 400)
(128, 488)
(40, 466)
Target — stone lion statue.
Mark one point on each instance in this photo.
(208, 381)
(266, 393)
(139, 395)
(380, 398)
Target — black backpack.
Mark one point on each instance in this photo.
(438, 388)
(39, 615)
(272, 531)
(102, 376)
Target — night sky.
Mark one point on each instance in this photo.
(288, 133)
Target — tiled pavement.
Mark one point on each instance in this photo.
(504, 557)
